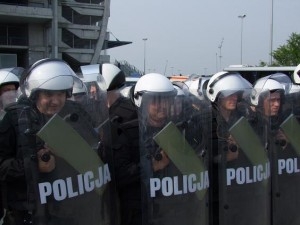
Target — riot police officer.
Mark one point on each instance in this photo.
(125, 135)
(272, 101)
(169, 160)
(44, 181)
(235, 193)
(9, 83)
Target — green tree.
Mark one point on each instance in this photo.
(262, 63)
(288, 54)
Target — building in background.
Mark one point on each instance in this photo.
(72, 30)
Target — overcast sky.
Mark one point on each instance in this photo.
(185, 36)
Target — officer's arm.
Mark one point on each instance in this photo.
(11, 160)
(126, 162)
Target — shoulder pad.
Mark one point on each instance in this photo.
(124, 109)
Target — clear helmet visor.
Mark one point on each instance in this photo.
(283, 79)
(55, 83)
(79, 93)
(8, 97)
(226, 84)
(79, 86)
(230, 100)
(269, 84)
(156, 109)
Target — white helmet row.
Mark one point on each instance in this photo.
(48, 74)
(263, 86)
(226, 83)
(153, 84)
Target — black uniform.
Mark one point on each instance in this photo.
(125, 144)
(285, 174)
(240, 198)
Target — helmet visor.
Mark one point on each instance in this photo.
(57, 83)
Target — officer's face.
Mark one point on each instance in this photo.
(158, 111)
(93, 92)
(8, 94)
(51, 102)
(7, 88)
(272, 104)
(178, 106)
(229, 102)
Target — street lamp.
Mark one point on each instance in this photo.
(220, 56)
(242, 18)
(145, 39)
(271, 41)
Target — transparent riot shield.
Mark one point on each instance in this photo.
(174, 159)
(96, 93)
(241, 165)
(285, 147)
(68, 165)
(7, 98)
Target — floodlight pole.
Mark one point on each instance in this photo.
(145, 39)
(242, 18)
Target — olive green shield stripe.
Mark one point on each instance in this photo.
(248, 141)
(180, 152)
(69, 145)
(291, 128)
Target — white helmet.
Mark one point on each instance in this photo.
(113, 76)
(153, 84)
(294, 89)
(193, 83)
(80, 92)
(283, 79)
(180, 92)
(263, 86)
(296, 75)
(48, 74)
(181, 88)
(10, 76)
(91, 75)
(225, 83)
(79, 86)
